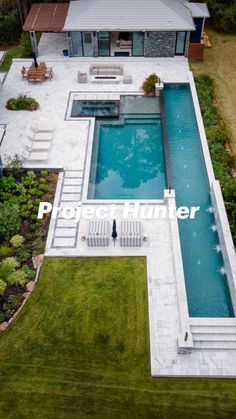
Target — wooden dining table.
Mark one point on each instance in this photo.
(37, 73)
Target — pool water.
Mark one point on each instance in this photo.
(128, 158)
(206, 283)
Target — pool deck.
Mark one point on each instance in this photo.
(70, 151)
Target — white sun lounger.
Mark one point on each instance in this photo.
(37, 156)
(40, 145)
(42, 136)
(42, 126)
(37, 145)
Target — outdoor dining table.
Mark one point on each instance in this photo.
(37, 73)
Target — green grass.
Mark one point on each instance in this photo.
(16, 52)
(80, 349)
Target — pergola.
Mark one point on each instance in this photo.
(45, 17)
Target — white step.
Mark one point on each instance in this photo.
(64, 242)
(73, 181)
(71, 189)
(212, 321)
(214, 337)
(65, 232)
(73, 173)
(213, 329)
(70, 197)
(214, 345)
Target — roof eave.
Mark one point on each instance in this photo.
(73, 29)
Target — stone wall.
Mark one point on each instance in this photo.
(159, 44)
(95, 44)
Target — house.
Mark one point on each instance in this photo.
(104, 28)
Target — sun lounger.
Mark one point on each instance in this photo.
(44, 126)
(37, 156)
(41, 145)
(37, 145)
(42, 136)
(131, 233)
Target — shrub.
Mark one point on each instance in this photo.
(15, 301)
(23, 254)
(10, 263)
(3, 287)
(5, 251)
(10, 28)
(25, 43)
(28, 236)
(9, 220)
(22, 103)
(38, 246)
(44, 173)
(17, 278)
(14, 164)
(149, 84)
(216, 135)
(17, 240)
(30, 273)
(2, 315)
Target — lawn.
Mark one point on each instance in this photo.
(220, 62)
(16, 52)
(80, 349)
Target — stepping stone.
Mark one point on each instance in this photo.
(65, 232)
(71, 197)
(73, 181)
(64, 242)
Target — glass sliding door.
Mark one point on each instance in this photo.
(87, 44)
(138, 44)
(104, 44)
(180, 43)
(77, 44)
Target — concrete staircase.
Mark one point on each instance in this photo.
(66, 231)
(213, 333)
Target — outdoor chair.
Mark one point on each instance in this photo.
(48, 73)
(127, 79)
(82, 77)
(24, 73)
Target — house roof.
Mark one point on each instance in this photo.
(131, 15)
(48, 17)
(198, 9)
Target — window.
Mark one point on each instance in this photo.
(138, 44)
(180, 43)
(87, 44)
(77, 44)
(104, 44)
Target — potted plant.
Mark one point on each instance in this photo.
(149, 84)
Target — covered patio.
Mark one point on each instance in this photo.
(48, 18)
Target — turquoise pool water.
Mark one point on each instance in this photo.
(128, 158)
(206, 284)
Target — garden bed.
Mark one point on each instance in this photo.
(23, 236)
(222, 158)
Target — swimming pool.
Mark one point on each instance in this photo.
(128, 159)
(206, 283)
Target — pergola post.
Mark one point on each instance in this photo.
(34, 43)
